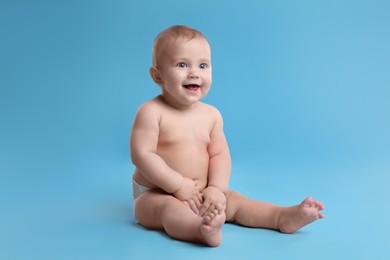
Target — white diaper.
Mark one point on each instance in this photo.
(138, 190)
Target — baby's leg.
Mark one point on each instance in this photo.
(156, 210)
(252, 213)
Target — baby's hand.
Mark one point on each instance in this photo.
(214, 201)
(189, 194)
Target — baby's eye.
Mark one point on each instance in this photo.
(182, 65)
(203, 66)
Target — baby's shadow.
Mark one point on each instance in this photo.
(126, 214)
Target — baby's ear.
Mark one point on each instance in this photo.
(155, 74)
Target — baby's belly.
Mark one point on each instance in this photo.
(190, 161)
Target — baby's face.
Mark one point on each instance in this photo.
(185, 72)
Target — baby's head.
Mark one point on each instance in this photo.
(170, 36)
(182, 65)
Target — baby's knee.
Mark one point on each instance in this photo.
(232, 195)
(149, 208)
(232, 204)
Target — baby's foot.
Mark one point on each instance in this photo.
(211, 228)
(294, 218)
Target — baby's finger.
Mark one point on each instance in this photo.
(210, 209)
(198, 203)
(200, 197)
(193, 206)
(204, 207)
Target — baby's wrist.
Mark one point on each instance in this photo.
(181, 184)
(217, 188)
(213, 187)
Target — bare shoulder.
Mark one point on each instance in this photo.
(148, 112)
(153, 106)
(150, 106)
(212, 111)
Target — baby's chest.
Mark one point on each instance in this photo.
(188, 132)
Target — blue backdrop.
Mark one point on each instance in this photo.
(302, 85)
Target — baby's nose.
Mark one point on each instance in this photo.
(193, 75)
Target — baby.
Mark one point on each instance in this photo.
(181, 156)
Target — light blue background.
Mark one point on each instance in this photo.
(303, 87)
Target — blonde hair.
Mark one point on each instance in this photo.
(170, 35)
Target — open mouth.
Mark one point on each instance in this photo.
(192, 87)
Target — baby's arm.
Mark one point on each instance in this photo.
(219, 169)
(220, 162)
(143, 149)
